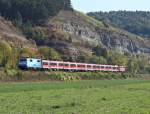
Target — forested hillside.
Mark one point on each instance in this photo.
(32, 10)
(136, 22)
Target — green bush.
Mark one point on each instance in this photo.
(11, 72)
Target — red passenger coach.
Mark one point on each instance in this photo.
(45, 64)
(122, 69)
(60, 65)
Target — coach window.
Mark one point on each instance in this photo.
(88, 66)
(61, 64)
(102, 67)
(45, 63)
(30, 60)
(94, 66)
(66, 65)
(106, 67)
(114, 68)
(53, 64)
(97, 67)
(73, 65)
(81, 66)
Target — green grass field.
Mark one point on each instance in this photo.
(80, 97)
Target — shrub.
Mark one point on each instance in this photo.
(11, 72)
(5, 54)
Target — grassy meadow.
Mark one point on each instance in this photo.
(78, 97)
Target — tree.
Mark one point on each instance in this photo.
(133, 65)
(117, 59)
(28, 29)
(49, 53)
(37, 34)
(102, 60)
(99, 51)
(18, 21)
(5, 6)
(98, 60)
(28, 52)
(5, 54)
(54, 55)
(83, 58)
(67, 5)
(147, 68)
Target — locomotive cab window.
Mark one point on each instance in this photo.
(38, 61)
(23, 59)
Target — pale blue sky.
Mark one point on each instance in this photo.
(109, 5)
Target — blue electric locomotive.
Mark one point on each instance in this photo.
(30, 63)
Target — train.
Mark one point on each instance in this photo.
(40, 64)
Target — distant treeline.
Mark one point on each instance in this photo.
(32, 10)
(137, 22)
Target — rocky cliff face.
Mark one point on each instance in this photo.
(13, 35)
(86, 33)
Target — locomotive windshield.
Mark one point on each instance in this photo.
(23, 59)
